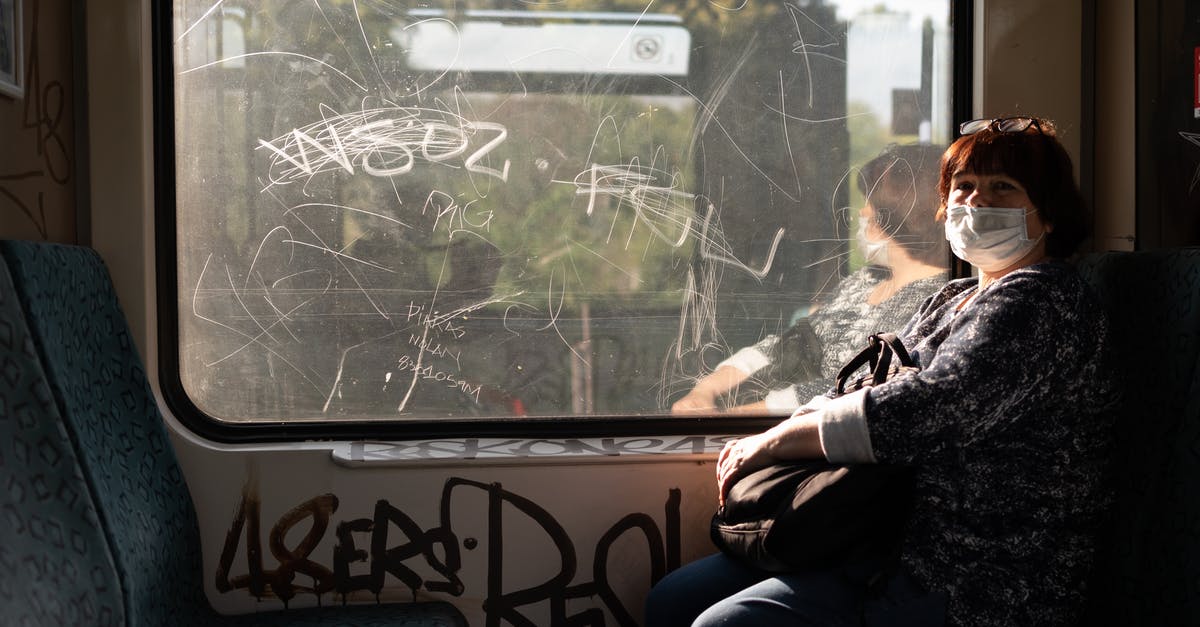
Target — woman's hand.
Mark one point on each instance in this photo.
(797, 437)
(703, 397)
(740, 457)
(697, 401)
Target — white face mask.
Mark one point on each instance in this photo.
(989, 238)
(874, 251)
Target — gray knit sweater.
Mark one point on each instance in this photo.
(1009, 425)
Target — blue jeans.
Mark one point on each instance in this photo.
(718, 590)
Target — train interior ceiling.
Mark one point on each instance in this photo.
(412, 313)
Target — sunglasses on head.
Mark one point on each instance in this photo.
(1000, 125)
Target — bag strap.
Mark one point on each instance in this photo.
(881, 347)
(892, 341)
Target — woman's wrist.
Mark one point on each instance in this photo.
(797, 437)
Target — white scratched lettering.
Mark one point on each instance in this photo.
(384, 142)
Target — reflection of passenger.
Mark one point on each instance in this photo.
(905, 249)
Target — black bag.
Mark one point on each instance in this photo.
(877, 356)
(816, 514)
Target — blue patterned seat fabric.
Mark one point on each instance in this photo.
(55, 568)
(102, 393)
(1148, 566)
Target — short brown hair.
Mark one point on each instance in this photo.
(1036, 159)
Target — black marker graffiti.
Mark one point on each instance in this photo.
(291, 561)
(396, 540)
(46, 111)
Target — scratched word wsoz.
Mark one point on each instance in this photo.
(383, 143)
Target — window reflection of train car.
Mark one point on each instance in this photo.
(416, 286)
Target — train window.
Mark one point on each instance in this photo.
(492, 210)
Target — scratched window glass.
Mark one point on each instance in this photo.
(398, 211)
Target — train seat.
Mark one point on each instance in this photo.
(55, 566)
(139, 557)
(1148, 563)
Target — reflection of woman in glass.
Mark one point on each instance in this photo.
(905, 252)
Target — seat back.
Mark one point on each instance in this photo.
(1148, 562)
(55, 564)
(102, 392)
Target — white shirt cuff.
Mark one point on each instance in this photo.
(749, 360)
(782, 402)
(843, 429)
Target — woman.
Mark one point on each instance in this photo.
(902, 244)
(1006, 423)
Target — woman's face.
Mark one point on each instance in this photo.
(996, 190)
(871, 228)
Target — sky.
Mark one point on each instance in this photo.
(918, 8)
